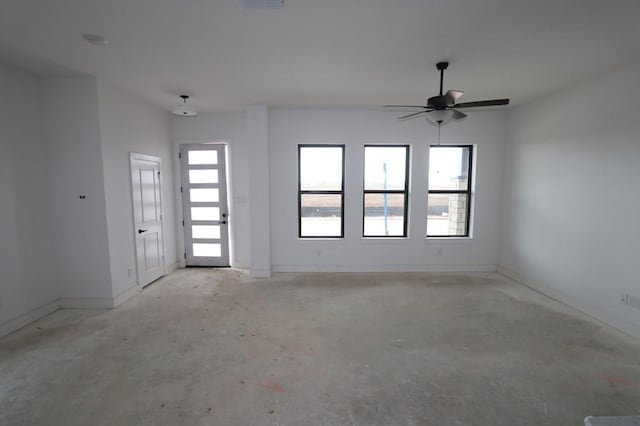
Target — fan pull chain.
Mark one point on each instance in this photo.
(439, 124)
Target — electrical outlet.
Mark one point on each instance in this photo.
(624, 298)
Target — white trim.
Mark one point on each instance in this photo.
(439, 239)
(225, 203)
(213, 141)
(151, 158)
(179, 212)
(384, 268)
(171, 267)
(35, 314)
(144, 157)
(125, 295)
(260, 273)
(135, 289)
(86, 303)
(27, 318)
(566, 299)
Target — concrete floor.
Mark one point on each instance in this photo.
(213, 347)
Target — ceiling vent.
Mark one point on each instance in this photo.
(259, 4)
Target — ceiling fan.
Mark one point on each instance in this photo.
(442, 108)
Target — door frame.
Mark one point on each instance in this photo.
(185, 145)
(146, 157)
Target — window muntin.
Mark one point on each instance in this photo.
(449, 193)
(320, 191)
(385, 200)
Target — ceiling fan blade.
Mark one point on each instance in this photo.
(414, 115)
(457, 115)
(452, 96)
(403, 108)
(476, 104)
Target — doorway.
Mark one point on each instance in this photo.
(147, 216)
(205, 205)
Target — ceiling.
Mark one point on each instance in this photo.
(322, 53)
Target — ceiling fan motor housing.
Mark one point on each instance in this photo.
(436, 102)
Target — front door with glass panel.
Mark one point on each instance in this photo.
(204, 200)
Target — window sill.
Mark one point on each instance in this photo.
(320, 240)
(448, 238)
(383, 238)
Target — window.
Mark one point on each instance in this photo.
(386, 169)
(320, 191)
(449, 199)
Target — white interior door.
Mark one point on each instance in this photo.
(147, 215)
(204, 201)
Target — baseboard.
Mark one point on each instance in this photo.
(72, 303)
(384, 268)
(27, 318)
(125, 295)
(170, 268)
(260, 273)
(86, 303)
(572, 302)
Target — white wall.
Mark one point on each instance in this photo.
(126, 125)
(60, 139)
(259, 199)
(354, 128)
(26, 279)
(572, 196)
(286, 128)
(229, 127)
(72, 131)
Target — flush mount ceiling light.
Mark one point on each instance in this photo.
(95, 39)
(183, 109)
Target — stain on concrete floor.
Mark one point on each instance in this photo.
(214, 347)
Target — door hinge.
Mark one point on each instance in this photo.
(185, 255)
(180, 155)
(158, 172)
(183, 223)
(180, 189)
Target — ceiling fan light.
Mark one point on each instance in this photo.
(439, 116)
(183, 109)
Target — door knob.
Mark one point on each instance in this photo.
(140, 231)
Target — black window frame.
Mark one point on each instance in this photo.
(468, 192)
(302, 192)
(404, 191)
